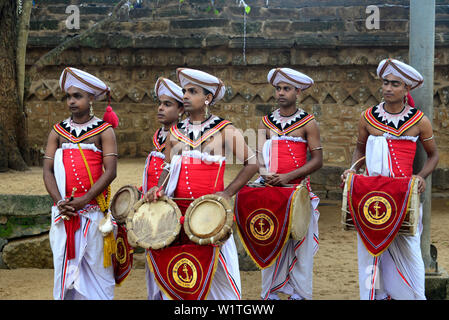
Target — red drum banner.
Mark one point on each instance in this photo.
(263, 219)
(378, 206)
(123, 258)
(184, 272)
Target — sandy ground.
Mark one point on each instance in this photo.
(335, 264)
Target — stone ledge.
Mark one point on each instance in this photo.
(22, 205)
(22, 216)
(34, 252)
(437, 286)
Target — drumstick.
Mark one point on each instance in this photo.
(355, 163)
(352, 168)
(64, 217)
(218, 173)
(162, 185)
(73, 194)
(166, 178)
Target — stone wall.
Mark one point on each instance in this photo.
(24, 225)
(329, 42)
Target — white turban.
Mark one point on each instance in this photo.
(407, 73)
(84, 81)
(202, 79)
(169, 88)
(287, 75)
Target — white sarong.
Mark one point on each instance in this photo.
(83, 277)
(292, 272)
(399, 272)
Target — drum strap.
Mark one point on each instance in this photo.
(109, 245)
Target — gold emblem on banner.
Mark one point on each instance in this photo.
(185, 273)
(377, 210)
(120, 252)
(261, 227)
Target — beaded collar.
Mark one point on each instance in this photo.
(77, 132)
(283, 125)
(392, 123)
(159, 138)
(195, 134)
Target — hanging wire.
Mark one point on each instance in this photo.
(244, 37)
(246, 10)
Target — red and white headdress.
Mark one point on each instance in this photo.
(202, 79)
(167, 87)
(407, 73)
(72, 77)
(290, 76)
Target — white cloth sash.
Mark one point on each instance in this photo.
(377, 156)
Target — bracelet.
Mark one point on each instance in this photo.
(47, 157)
(59, 201)
(427, 139)
(110, 154)
(359, 142)
(317, 148)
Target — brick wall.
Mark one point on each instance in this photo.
(329, 42)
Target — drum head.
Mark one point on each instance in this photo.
(123, 201)
(300, 217)
(153, 225)
(208, 219)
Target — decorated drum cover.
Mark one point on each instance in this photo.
(380, 208)
(153, 225)
(409, 225)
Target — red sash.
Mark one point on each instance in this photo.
(263, 220)
(184, 272)
(70, 228)
(123, 258)
(378, 206)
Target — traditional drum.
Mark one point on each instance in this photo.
(409, 225)
(268, 216)
(123, 201)
(208, 220)
(301, 207)
(153, 225)
(300, 213)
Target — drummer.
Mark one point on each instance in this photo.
(80, 163)
(169, 111)
(195, 149)
(284, 137)
(394, 125)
